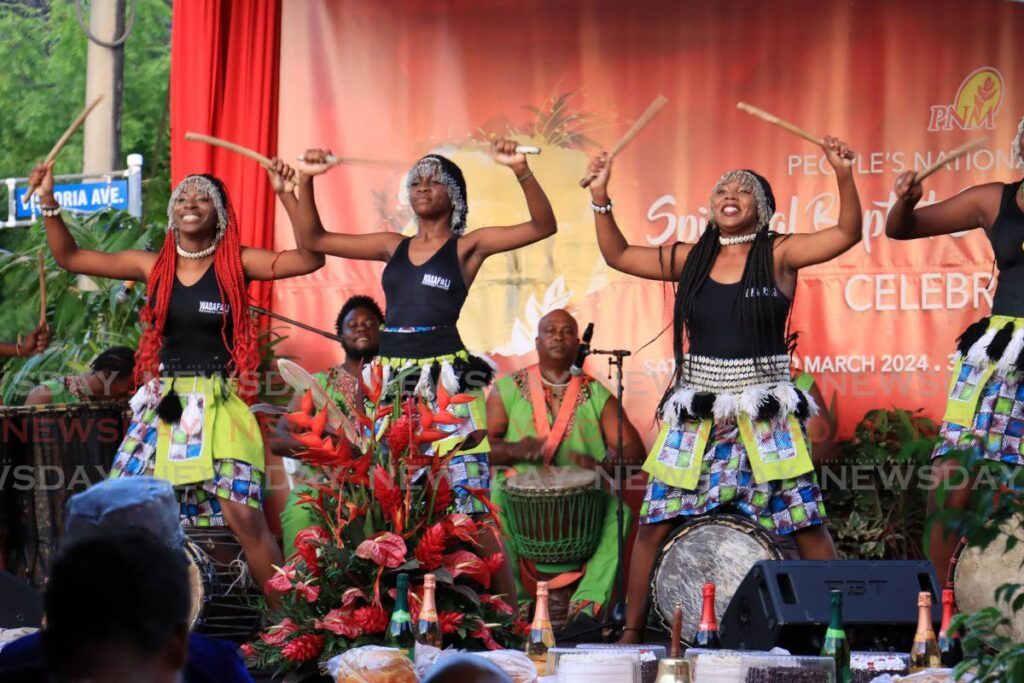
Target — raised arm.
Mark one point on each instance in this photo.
(975, 207)
(800, 251)
(653, 263)
(309, 230)
(263, 264)
(133, 264)
(486, 242)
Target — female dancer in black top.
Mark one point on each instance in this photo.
(197, 359)
(983, 411)
(426, 281)
(733, 430)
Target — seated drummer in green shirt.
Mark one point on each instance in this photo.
(110, 378)
(589, 439)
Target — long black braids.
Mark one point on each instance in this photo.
(757, 315)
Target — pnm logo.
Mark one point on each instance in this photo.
(975, 104)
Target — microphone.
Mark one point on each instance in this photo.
(583, 352)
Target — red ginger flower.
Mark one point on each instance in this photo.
(450, 621)
(444, 497)
(303, 648)
(371, 619)
(387, 491)
(430, 551)
(399, 435)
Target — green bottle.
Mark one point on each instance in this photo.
(400, 631)
(836, 645)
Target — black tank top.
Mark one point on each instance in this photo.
(192, 334)
(430, 295)
(717, 331)
(1007, 238)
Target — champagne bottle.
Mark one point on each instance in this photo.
(925, 652)
(951, 652)
(428, 630)
(542, 637)
(707, 632)
(400, 632)
(836, 645)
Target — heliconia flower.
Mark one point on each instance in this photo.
(276, 635)
(426, 416)
(302, 420)
(371, 619)
(430, 550)
(459, 399)
(340, 622)
(306, 405)
(318, 423)
(303, 648)
(385, 549)
(430, 435)
(443, 397)
(450, 621)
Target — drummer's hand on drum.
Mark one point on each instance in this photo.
(584, 461)
(529, 449)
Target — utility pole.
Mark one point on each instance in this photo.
(104, 76)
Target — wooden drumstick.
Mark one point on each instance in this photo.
(652, 110)
(785, 125)
(41, 265)
(217, 142)
(677, 632)
(952, 156)
(55, 150)
(332, 160)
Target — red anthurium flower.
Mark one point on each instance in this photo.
(247, 650)
(283, 579)
(384, 549)
(339, 622)
(484, 634)
(276, 635)
(496, 602)
(464, 562)
(349, 597)
(462, 527)
(494, 562)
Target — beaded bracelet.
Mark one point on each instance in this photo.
(607, 208)
(525, 176)
(49, 211)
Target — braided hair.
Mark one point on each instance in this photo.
(227, 264)
(1018, 161)
(755, 312)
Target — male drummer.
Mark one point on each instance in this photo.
(109, 379)
(358, 325)
(580, 418)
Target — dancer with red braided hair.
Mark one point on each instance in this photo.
(197, 359)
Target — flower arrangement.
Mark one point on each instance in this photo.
(382, 507)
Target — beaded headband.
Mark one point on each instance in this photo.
(433, 166)
(747, 180)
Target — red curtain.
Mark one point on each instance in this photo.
(224, 82)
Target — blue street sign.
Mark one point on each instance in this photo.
(78, 197)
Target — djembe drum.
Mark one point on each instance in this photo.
(54, 452)
(225, 600)
(718, 547)
(555, 514)
(976, 573)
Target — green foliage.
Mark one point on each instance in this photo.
(85, 313)
(875, 496)
(994, 515)
(43, 52)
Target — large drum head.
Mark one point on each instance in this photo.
(719, 548)
(979, 573)
(544, 480)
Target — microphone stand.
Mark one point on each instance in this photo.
(615, 358)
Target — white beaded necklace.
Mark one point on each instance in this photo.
(739, 239)
(195, 255)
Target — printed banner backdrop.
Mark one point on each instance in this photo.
(900, 83)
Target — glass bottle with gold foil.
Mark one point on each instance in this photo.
(707, 631)
(925, 652)
(428, 630)
(951, 651)
(542, 636)
(836, 644)
(400, 632)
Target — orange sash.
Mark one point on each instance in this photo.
(551, 435)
